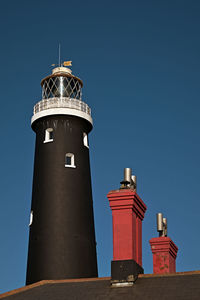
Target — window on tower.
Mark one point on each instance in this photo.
(85, 139)
(48, 135)
(31, 218)
(69, 160)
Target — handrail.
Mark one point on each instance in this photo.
(62, 102)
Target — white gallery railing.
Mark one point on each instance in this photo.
(62, 102)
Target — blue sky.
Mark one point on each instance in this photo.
(140, 65)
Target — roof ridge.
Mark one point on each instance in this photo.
(169, 274)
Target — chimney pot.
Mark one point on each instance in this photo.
(127, 174)
(159, 222)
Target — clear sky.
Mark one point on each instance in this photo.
(140, 64)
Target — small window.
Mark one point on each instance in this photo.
(69, 160)
(85, 139)
(48, 135)
(31, 218)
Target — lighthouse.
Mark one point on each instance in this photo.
(62, 241)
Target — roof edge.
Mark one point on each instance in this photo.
(44, 282)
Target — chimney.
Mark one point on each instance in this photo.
(163, 248)
(128, 211)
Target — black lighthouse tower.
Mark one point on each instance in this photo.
(62, 237)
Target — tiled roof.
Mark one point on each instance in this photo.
(184, 286)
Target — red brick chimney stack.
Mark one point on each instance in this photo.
(163, 248)
(128, 211)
